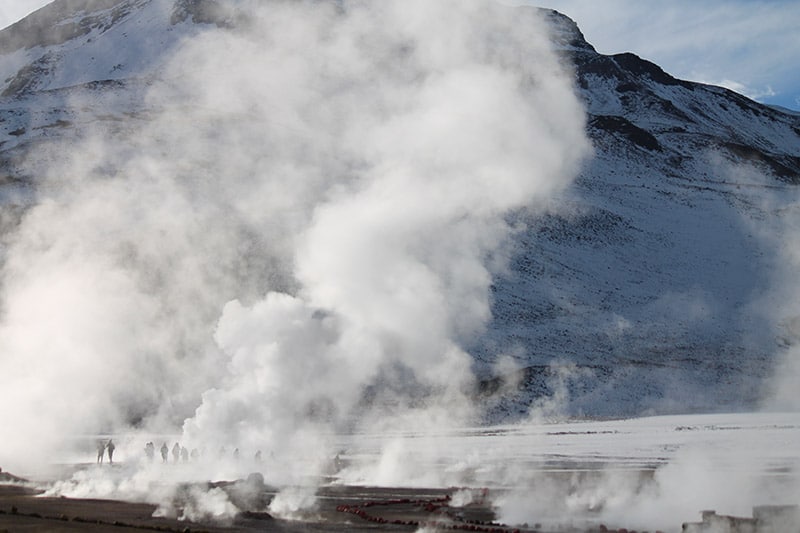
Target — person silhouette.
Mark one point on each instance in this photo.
(164, 452)
(150, 451)
(110, 447)
(101, 451)
(176, 452)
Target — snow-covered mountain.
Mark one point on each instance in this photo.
(657, 281)
(669, 273)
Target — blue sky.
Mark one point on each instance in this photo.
(750, 46)
(13, 10)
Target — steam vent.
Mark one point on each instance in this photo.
(766, 519)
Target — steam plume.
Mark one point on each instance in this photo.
(300, 240)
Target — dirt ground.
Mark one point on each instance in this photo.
(339, 509)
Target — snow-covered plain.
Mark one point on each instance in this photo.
(767, 441)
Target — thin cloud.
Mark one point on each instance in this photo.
(755, 93)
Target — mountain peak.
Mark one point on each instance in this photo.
(565, 31)
(655, 226)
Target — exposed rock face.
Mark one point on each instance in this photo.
(204, 12)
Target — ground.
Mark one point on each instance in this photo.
(340, 509)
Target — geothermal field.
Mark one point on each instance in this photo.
(647, 474)
(396, 265)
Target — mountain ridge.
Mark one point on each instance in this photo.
(654, 278)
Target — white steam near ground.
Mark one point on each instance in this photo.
(299, 242)
(295, 245)
(782, 302)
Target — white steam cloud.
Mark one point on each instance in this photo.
(298, 236)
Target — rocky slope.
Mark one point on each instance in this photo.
(665, 278)
(653, 287)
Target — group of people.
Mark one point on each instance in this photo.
(179, 453)
(182, 454)
(103, 448)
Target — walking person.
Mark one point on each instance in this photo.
(150, 451)
(101, 451)
(110, 447)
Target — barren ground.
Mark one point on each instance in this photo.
(339, 509)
